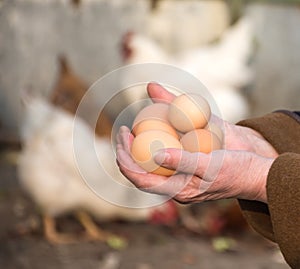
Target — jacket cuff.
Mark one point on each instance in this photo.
(277, 221)
(282, 136)
(283, 192)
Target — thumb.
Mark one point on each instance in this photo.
(183, 161)
(159, 94)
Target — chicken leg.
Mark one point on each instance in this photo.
(53, 236)
(93, 232)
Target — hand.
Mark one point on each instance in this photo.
(235, 137)
(238, 171)
(200, 177)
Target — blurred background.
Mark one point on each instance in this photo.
(245, 52)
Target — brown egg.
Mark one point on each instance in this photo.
(189, 112)
(157, 111)
(215, 129)
(152, 124)
(146, 144)
(200, 140)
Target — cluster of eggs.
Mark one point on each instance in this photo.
(182, 124)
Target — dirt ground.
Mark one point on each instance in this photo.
(22, 245)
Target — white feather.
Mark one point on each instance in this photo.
(222, 67)
(50, 173)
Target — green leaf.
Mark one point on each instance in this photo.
(222, 244)
(117, 242)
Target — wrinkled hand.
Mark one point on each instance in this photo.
(238, 171)
(200, 177)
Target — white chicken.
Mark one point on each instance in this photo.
(222, 67)
(49, 171)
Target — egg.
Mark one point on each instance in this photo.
(200, 140)
(154, 124)
(215, 129)
(146, 144)
(188, 112)
(157, 111)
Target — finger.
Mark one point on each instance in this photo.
(183, 161)
(139, 177)
(119, 134)
(159, 94)
(150, 182)
(124, 138)
(126, 163)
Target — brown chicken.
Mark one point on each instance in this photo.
(68, 91)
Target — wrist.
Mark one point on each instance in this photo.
(257, 179)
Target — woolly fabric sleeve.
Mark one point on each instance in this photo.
(279, 220)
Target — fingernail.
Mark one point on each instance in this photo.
(162, 157)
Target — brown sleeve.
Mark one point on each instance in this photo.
(283, 192)
(280, 219)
